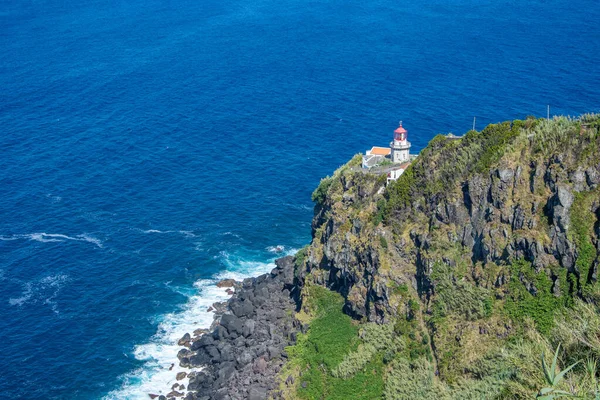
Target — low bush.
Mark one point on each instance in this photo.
(320, 193)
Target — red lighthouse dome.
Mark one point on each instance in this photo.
(400, 133)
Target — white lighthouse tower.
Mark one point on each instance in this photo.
(400, 145)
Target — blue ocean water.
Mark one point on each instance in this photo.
(150, 147)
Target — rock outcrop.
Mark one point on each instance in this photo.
(243, 353)
(518, 208)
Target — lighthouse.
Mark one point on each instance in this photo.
(400, 145)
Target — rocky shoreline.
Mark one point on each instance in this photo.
(244, 350)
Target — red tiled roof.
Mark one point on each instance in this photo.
(380, 151)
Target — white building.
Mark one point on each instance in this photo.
(396, 172)
(400, 146)
(397, 153)
(375, 156)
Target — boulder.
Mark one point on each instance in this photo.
(232, 324)
(183, 353)
(257, 393)
(248, 328)
(227, 353)
(260, 366)
(198, 381)
(213, 353)
(245, 358)
(226, 370)
(226, 283)
(181, 375)
(205, 340)
(200, 331)
(219, 333)
(274, 352)
(242, 308)
(185, 340)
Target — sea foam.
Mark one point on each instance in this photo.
(159, 354)
(54, 237)
(44, 290)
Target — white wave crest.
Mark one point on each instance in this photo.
(182, 232)
(276, 249)
(54, 237)
(157, 376)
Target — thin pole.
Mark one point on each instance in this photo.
(548, 113)
(474, 118)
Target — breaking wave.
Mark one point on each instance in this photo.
(159, 354)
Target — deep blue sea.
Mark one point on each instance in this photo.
(150, 147)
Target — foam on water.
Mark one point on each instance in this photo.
(54, 237)
(161, 364)
(276, 249)
(182, 232)
(44, 290)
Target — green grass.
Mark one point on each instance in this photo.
(331, 336)
(320, 193)
(520, 303)
(458, 296)
(582, 224)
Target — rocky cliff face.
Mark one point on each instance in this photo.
(518, 208)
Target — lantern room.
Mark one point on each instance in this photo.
(400, 134)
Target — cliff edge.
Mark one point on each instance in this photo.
(449, 283)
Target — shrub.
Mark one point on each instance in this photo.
(383, 242)
(320, 193)
(458, 297)
(520, 303)
(375, 338)
(398, 193)
(380, 213)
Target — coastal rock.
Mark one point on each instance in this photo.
(260, 366)
(185, 340)
(233, 325)
(181, 375)
(199, 332)
(248, 328)
(226, 283)
(241, 356)
(257, 393)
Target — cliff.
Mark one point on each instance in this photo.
(450, 283)
(482, 256)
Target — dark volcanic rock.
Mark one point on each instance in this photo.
(185, 340)
(233, 324)
(243, 353)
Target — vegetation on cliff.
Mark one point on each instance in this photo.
(453, 281)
